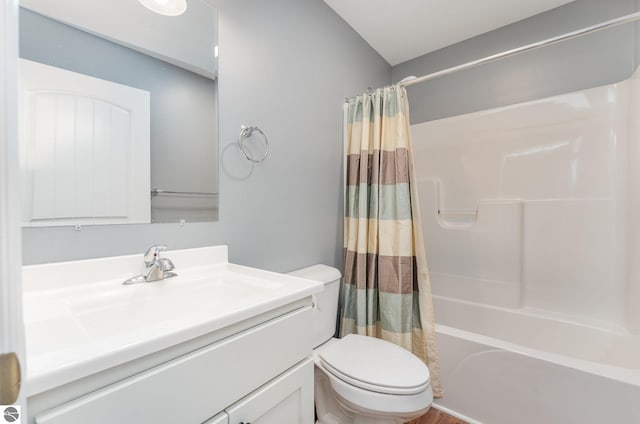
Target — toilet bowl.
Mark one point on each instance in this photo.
(361, 379)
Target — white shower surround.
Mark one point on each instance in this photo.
(528, 221)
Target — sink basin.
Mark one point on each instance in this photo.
(107, 307)
(162, 300)
(76, 327)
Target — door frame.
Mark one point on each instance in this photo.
(11, 322)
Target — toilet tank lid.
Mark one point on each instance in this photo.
(322, 273)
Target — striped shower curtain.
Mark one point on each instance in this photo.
(386, 288)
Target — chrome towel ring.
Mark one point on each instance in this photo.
(246, 132)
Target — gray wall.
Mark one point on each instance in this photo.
(589, 61)
(286, 66)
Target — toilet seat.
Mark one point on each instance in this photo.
(375, 365)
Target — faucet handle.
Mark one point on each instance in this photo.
(153, 253)
(165, 264)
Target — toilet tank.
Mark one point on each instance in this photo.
(325, 303)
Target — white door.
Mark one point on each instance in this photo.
(286, 399)
(12, 358)
(84, 149)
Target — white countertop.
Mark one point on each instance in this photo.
(80, 319)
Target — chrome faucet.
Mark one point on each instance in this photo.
(155, 267)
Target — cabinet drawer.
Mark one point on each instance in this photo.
(194, 387)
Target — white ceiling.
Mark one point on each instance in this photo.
(404, 29)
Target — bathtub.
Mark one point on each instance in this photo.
(530, 221)
(508, 366)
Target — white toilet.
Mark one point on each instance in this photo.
(359, 379)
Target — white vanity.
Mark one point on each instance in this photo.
(219, 343)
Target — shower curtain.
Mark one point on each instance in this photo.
(386, 291)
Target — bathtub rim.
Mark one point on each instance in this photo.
(623, 375)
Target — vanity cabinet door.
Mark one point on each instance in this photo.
(286, 399)
(218, 419)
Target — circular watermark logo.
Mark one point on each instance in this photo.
(11, 414)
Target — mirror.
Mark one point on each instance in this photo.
(83, 61)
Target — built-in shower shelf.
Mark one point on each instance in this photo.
(477, 255)
(457, 220)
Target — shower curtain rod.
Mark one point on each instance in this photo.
(549, 41)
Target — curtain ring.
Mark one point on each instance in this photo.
(247, 131)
